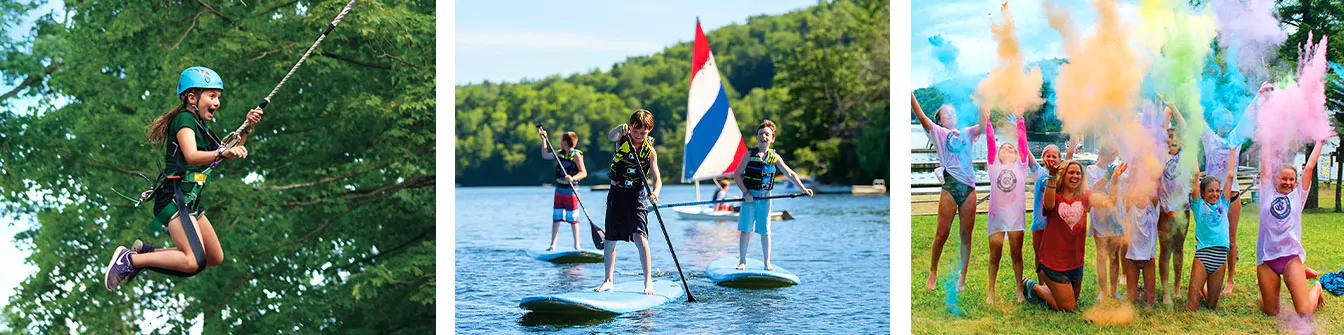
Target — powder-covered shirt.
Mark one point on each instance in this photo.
(1105, 221)
(1211, 229)
(954, 151)
(1175, 191)
(1280, 223)
(1008, 181)
(1216, 153)
(1143, 238)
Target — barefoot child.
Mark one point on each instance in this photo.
(1217, 146)
(755, 179)
(191, 151)
(1278, 248)
(1106, 229)
(569, 172)
(1064, 240)
(954, 154)
(1211, 238)
(627, 214)
(1007, 198)
(1171, 228)
(1142, 236)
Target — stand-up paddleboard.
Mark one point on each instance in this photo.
(567, 256)
(723, 271)
(623, 298)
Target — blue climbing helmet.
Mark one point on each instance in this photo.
(199, 77)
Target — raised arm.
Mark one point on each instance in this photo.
(1311, 165)
(1112, 199)
(1071, 149)
(1172, 112)
(919, 113)
(989, 136)
(1022, 150)
(1048, 199)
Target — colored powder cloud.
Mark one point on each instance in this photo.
(1100, 81)
(946, 53)
(1295, 112)
(1181, 39)
(1007, 87)
(950, 286)
(1110, 313)
(1250, 28)
(956, 88)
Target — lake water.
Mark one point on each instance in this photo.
(839, 246)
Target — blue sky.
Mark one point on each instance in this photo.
(506, 41)
(13, 261)
(966, 23)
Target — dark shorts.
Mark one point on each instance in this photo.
(1073, 277)
(164, 208)
(627, 215)
(954, 187)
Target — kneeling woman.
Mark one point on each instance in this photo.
(1064, 240)
(1278, 248)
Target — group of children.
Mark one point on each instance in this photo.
(1136, 231)
(634, 164)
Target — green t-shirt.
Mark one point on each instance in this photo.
(205, 141)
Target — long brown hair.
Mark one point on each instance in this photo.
(1064, 171)
(158, 130)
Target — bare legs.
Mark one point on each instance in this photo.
(642, 244)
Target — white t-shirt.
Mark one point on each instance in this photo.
(1175, 190)
(1143, 238)
(954, 151)
(1216, 153)
(1105, 221)
(1280, 223)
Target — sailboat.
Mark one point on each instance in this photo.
(714, 145)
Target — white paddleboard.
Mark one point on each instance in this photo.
(723, 271)
(623, 298)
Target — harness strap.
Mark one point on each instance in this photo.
(185, 217)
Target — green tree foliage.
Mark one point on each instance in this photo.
(820, 73)
(327, 226)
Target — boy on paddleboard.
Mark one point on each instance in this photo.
(569, 172)
(756, 178)
(627, 214)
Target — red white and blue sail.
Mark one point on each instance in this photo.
(714, 144)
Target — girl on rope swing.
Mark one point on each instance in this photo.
(191, 151)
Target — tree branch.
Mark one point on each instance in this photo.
(348, 175)
(212, 10)
(356, 61)
(283, 5)
(408, 243)
(184, 34)
(33, 79)
(414, 182)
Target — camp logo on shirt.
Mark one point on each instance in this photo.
(1007, 181)
(1071, 212)
(954, 143)
(1170, 171)
(1281, 207)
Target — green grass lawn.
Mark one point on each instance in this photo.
(1237, 313)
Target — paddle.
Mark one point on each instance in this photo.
(598, 235)
(645, 180)
(706, 202)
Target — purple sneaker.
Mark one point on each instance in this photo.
(140, 247)
(119, 268)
